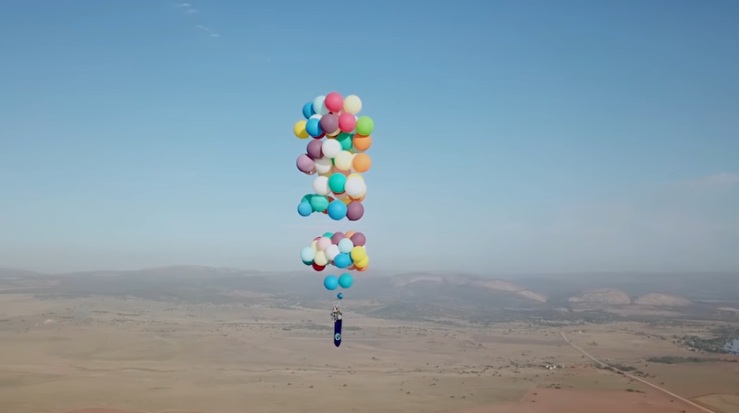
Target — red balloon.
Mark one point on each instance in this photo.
(334, 102)
(318, 267)
(347, 122)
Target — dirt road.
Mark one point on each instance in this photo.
(639, 379)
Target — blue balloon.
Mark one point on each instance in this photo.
(304, 208)
(337, 210)
(346, 280)
(340, 296)
(343, 260)
(331, 282)
(313, 127)
(308, 110)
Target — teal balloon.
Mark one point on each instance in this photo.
(340, 296)
(345, 139)
(307, 198)
(346, 280)
(337, 210)
(328, 234)
(309, 263)
(319, 203)
(331, 282)
(336, 183)
(307, 254)
(305, 209)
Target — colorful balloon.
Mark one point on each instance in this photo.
(305, 164)
(361, 162)
(319, 105)
(346, 280)
(331, 282)
(352, 104)
(337, 210)
(313, 127)
(358, 239)
(314, 149)
(308, 110)
(347, 122)
(334, 102)
(330, 124)
(365, 125)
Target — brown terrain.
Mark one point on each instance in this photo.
(217, 341)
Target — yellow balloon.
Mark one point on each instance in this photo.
(343, 161)
(358, 253)
(299, 130)
(356, 175)
(364, 263)
(314, 245)
(320, 258)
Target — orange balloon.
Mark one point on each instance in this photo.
(362, 269)
(361, 162)
(361, 142)
(349, 234)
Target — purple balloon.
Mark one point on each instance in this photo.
(338, 236)
(314, 149)
(329, 123)
(354, 211)
(305, 164)
(358, 239)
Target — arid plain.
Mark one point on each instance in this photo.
(258, 351)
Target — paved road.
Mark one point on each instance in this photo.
(639, 379)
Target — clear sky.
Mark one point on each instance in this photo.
(511, 136)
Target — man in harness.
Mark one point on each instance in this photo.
(336, 313)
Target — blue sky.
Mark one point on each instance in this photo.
(511, 136)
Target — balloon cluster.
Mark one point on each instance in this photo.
(336, 154)
(338, 249)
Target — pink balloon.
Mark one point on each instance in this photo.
(305, 164)
(334, 102)
(347, 122)
(323, 243)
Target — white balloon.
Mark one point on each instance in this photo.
(331, 148)
(346, 245)
(323, 165)
(352, 104)
(316, 116)
(319, 105)
(355, 187)
(332, 251)
(320, 185)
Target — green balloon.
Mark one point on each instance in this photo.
(365, 125)
(336, 183)
(345, 139)
(319, 203)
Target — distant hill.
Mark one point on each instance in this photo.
(413, 295)
(603, 296)
(470, 282)
(662, 300)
